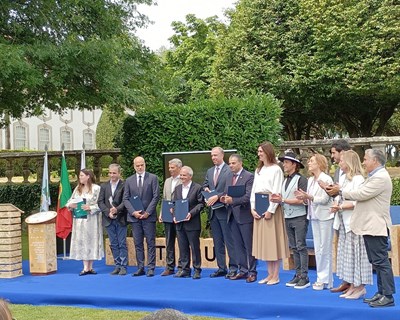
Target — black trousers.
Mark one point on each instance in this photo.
(377, 251)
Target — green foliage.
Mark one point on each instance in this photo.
(26, 197)
(108, 129)
(190, 61)
(396, 192)
(237, 123)
(71, 54)
(332, 62)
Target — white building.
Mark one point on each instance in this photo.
(73, 129)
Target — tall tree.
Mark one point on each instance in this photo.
(332, 62)
(70, 54)
(190, 60)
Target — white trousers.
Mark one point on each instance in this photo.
(323, 236)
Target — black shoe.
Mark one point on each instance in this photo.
(139, 272)
(230, 274)
(182, 274)
(115, 271)
(196, 275)
(375, 297)
(150, 273)
(293, 282)
(383, 301)
(218, 273)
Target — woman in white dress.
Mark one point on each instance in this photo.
(319, 212)
(352, 261)
(269, 232)
(87, 230)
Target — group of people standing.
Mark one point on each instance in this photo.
(355, 206)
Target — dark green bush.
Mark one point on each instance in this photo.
(238, 123)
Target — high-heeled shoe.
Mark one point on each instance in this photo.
(346, 293)
(357, 294)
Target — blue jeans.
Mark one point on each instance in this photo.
(117, 235)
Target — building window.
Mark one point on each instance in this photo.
(20, 136)
(88, 139)
(66, 138)
(44, 138)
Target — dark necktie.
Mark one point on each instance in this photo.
(288, 179)
(216, 174)
(234, 178)
(140, 186)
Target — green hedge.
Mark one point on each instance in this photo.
(238, 123)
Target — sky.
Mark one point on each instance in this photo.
(156, 35)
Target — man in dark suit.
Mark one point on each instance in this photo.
(114, 217)
(215, 180)
(145, 186)
(240, 219)
(188, 231)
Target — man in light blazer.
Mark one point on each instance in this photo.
(174, 167)
(112, 206)
(240, 219)
(188, 231)
(215, 180)
(371, 219)
(145, 186)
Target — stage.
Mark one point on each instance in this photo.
(216, 297)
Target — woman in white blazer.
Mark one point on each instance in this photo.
(319, 212)
(352, 261)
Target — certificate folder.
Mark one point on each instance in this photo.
(78, 212)
(166, 214)
(136, 203)
(208, 195)
(181, 209)
(236, 191)
(262, 203)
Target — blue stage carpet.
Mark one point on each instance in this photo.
(212, 297)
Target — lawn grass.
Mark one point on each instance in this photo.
(29, 312)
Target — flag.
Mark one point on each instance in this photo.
(83, 159)
(64, 216)
(45, 192)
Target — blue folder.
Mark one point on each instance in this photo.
(236, 191)
(262, 203)
(166, 214)
(208, 195)
(78, 212)
(136, 203)
(181, 209)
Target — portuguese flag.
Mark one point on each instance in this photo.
(64, 216)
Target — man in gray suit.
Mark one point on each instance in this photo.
(174, 167)
(240, 219)
(216, 180)
(371, 219)
(114, 217)
(145, 186)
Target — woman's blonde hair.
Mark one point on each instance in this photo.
(321, 161)
(353, 163)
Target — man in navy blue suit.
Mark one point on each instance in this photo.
(215, 180)
(145, 186)
(240, 219)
